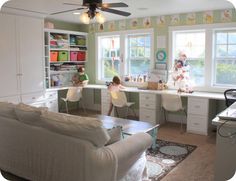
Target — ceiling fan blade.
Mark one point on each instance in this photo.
(66, 11)
(114, 11)
(20, 9)
(73, 4)
(113, 5)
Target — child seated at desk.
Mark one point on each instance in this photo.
(80, 78)
(113, 87)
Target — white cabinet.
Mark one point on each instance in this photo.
(30, 36)
(198, 115)
(148, 106)
(8, 61)
(105, 102)
(51, 97)
(21, 50)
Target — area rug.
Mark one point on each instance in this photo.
(166, 157)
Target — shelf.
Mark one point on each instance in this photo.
(77, 49)
(71, 62)
(54, 72)
(59, 49)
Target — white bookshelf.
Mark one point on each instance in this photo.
(63, 42)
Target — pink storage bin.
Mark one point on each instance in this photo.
(73, 56)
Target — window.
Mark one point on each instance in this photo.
(139, 54)
(225, 58)
(192, 43)
(109, 52)
(124, 54)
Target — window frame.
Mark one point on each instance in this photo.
(209, 72)
(123, 50)
(215, 58)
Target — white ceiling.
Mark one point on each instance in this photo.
(150, 7)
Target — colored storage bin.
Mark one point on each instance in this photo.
(73, 56)
(81, 56)
(63, 56)
(53, 56)
(80, 41)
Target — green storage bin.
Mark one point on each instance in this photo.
(63, 56)
(81, 41)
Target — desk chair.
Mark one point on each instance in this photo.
(172, 103)
(230, 96)
(74, 94)
(119, 99)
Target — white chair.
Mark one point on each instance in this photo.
(119, 99)
(172, 103)
(74, 94)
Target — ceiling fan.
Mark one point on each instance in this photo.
(92, 6)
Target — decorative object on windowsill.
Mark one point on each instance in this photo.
(92, 12)
(179, 76)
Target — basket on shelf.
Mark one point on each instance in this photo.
(63, 56)
(81, 56)
(53, 56)
(73, 55)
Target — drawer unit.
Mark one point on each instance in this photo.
(198, 115)
(31, 98)
(147, 101)
(52, 100)
(147, 107)
(51, 95)
(147, 97)
(198, 106)
(52, 105)
(148, 115)
(197, 124)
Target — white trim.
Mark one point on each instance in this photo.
(65, 31)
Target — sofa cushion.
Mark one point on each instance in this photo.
(29, 114)
(7, 110)
(87, 128)
(115, 134)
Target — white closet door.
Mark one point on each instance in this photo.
(30, 34)
(8, 60)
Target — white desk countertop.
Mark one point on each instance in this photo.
(208, 95)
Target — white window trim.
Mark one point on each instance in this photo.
(209, 54)
(123, 50)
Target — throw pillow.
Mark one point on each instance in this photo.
(29, 114)
(87, 128)
(7, 110)
(115, 134)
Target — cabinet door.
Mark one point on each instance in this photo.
(30, 36)
(8, 63)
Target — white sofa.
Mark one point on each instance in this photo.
(36, 148)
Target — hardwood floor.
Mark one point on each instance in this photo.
(199, 165)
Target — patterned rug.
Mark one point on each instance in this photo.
(167, 156)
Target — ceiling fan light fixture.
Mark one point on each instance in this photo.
(85, 18)
(76, 13)
(100, 18)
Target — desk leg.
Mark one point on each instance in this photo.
(154, 137)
